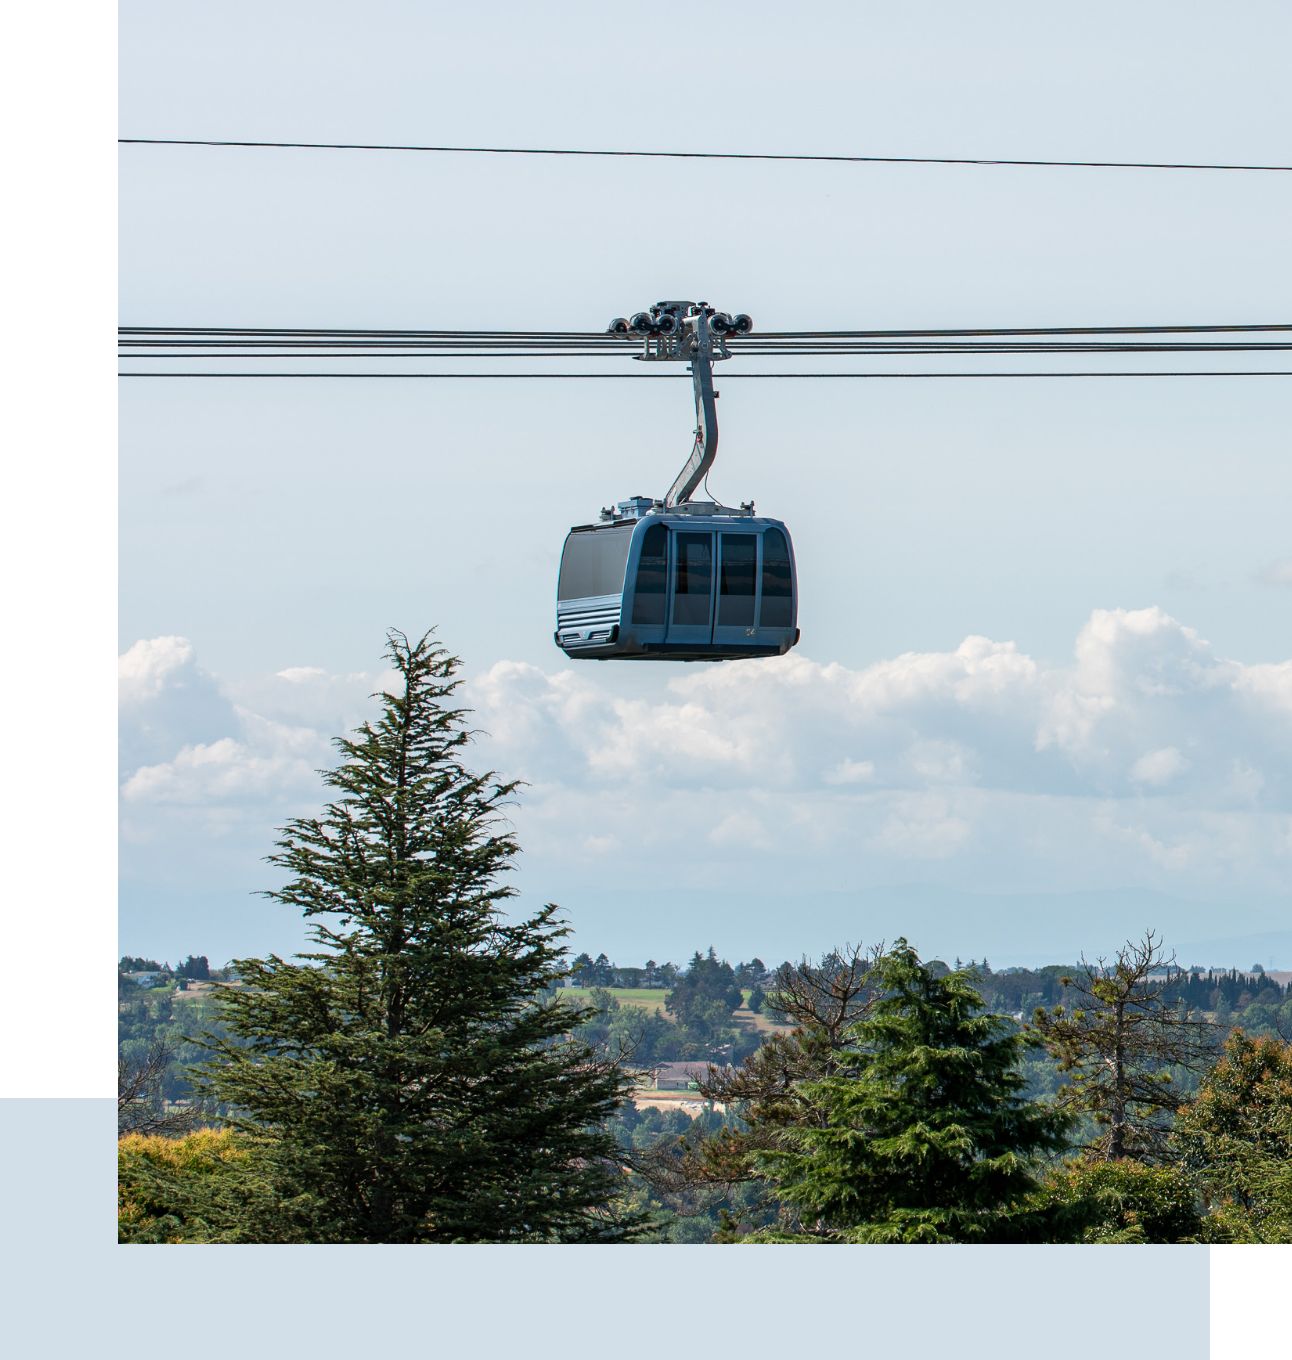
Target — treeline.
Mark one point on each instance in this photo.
(707, 1012)
(1228, 994)
(701, 999)
(195, 967)
(424, 1075)
(600, 972)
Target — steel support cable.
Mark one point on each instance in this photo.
(448, 337)
(622, 342)
(697, 155)
(878, 352)
(728, 377)
(302, 348)
(1019, 330)
(358, 342)
(803, 347)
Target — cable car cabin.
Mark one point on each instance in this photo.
(699, 582)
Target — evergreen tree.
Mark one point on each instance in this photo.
(706, 981)
(922, 1134)
(1123, 1202)
(409, 1081)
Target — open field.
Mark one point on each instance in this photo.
(652, 999)
(687, 1101)
(645, 998)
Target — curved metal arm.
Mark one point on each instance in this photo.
(705, 448)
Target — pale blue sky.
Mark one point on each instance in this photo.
(282, 525)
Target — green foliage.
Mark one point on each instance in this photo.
(132, 964)
(1235, 1139)
(1121, 1043)
(683, 1209)
(413, 1079)
(708, 987)
(162, 1183)
(924, 1135)
(1123, 1201)
(1223, 1175)
(625, 1032)
(180, 1024)
(701, 1001)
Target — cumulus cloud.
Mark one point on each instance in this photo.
(921, 826)
(1144, 704)
(1158, 767)
(1145, 751)
(851, 772)
(220, 756)
(1144, 758)
(165, 701)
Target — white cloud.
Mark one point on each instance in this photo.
(922, 827)
(1175, 856)
(851, 772)
(1158, 767)
(941, 762)
(144, 671)
(192, 754)
(741, 830)
(166, 700)
(1147, 758)
(300, 675)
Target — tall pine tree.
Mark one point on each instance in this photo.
(413, 1079)
(922, 1133)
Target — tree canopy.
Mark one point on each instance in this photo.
(922, 1134)
(1235, 1138)
(413, 1078)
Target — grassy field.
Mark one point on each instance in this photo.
(646, 998)
(652, 999)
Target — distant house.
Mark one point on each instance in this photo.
(145, 979)
(679, 1076)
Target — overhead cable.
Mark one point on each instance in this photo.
(699, 155)
(727, 377)
(875, 351)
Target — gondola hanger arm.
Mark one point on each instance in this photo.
(693, 333)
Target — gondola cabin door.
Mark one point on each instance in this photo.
(736, 589)
(714, 596)
(691, 604)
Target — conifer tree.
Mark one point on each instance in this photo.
(408, 1080)
(922, 1133)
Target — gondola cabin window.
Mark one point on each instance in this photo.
(693, 584)
(778, 584)
(737, 580)
(593, 563)
(652, 577)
